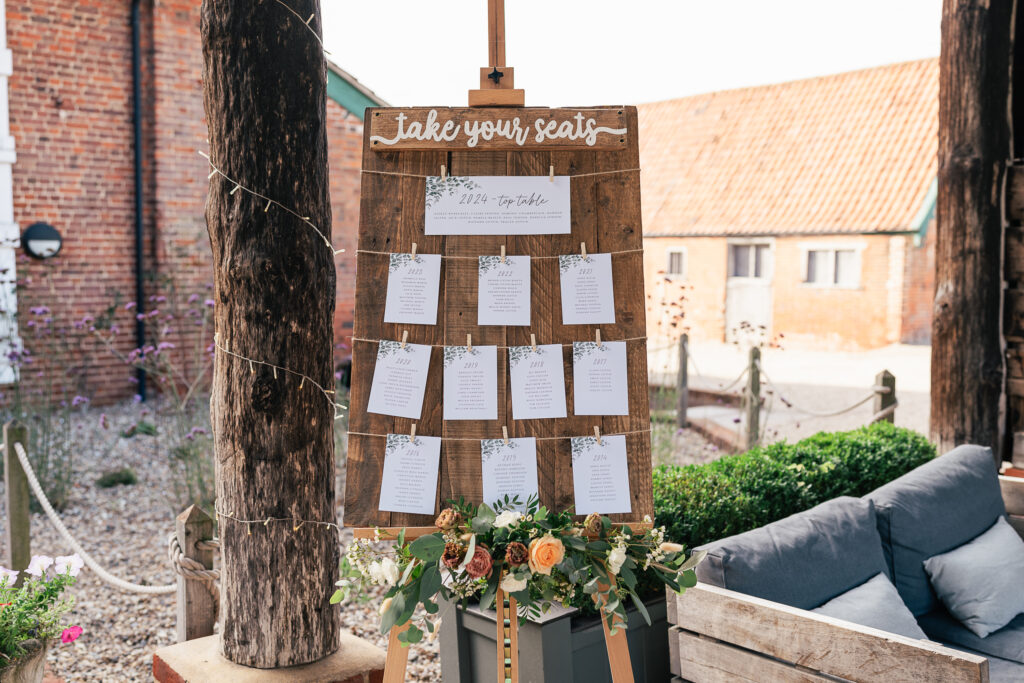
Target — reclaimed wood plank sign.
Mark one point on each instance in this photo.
(534, 215)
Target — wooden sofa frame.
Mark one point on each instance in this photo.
(723, 635)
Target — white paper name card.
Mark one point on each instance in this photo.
(471, 383)
(497, 205)
(413, 284)
(409, 481)
(599, 378)
(588, 297)
(504, 294)
(399, 379)
(509, 469)
(538, 381)
(600, 475)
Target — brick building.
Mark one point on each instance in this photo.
(805, 207)
(69, 157)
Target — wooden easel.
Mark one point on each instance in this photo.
(497, 89)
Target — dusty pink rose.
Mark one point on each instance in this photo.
(71, 634)
(480, 566)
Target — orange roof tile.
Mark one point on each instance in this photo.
(849, 153)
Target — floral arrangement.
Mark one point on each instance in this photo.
(36, 609)
(536, 556)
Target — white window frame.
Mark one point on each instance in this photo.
(856, 247)
(769, 273)
(676, 277)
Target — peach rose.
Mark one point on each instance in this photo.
(545, 552)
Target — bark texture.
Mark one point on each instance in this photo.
(974, 144)
(264, 80)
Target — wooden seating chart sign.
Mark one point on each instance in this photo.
(602, 172)
(499, 336)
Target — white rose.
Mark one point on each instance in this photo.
(389, 571)
(615, 559)
(507, 518)
(510, 584)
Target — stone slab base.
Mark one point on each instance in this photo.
(199, 661)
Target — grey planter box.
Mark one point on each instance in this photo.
(561, 646)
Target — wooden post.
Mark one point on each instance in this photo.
(197, 609)
(682, 382)
(17, 499)
(974, 144)
(885, 399)
(753, 399)
(264, 86)
(497, 81)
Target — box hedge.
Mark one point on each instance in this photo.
(702, 503)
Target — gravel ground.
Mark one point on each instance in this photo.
(125, 529)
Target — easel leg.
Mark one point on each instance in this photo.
(507, 621)
(618, 653)
(397, 658)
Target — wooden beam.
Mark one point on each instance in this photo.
(16, 500)
(712, 661)
(496, 32)
(820, 643)
(196, 605)
(974, 142)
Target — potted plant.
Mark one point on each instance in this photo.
(31, 615)
(545, 560)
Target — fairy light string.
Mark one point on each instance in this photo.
(253, 362)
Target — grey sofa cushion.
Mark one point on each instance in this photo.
(931, 510)
(979, 582)
(803, 560)
(874, 603)
(1006, 643)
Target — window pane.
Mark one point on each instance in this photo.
(740, 261)
(846, 267)
(761, 260)
(675, 263)
(815, 266)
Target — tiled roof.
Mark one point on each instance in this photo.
(849, 153)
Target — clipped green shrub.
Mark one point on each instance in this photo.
(122, 477)
(702, 503)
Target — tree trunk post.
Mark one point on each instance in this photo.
(682, 382)
(19, 541)
(753, 399)
(884, 399)
(264, 82)
(974, 144)
(196, 607)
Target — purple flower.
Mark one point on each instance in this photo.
(137, 398)
(129, 306)
(208, 302)
(78, 401)
(39, 310)
(193, 298)
(140, 316)
(103, 421)
(163, 346)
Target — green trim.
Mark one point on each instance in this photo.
(926, 214)
(347, 95)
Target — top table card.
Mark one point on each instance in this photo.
(497, 205)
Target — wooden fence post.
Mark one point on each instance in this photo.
(197, 608)
(682, 382)
(17, 499)
(884, 399)
(753, 398)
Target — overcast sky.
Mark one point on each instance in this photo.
(588, 52)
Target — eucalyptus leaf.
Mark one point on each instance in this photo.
(688, 579)
(695, 558)
(640, 607)
(392, 613)
(430, 582)
(336, 598)
(428, 548)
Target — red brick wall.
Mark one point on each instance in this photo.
(71, 107)
(919, 290)
(892, 301)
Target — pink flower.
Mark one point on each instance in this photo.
(480, 565)
(71, 634)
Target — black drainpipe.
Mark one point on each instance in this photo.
(140, 301)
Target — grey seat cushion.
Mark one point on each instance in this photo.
(804, 560)
(1006, 643)
(874, 603)
(937, 507)
(999, 670)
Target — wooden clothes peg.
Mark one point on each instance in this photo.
(533, 342)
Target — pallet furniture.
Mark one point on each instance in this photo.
(723, 635)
